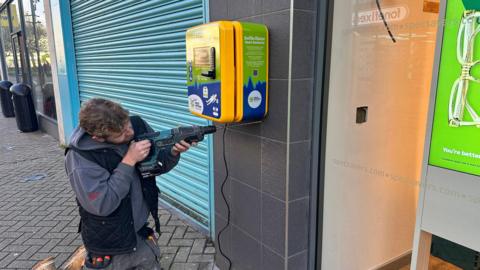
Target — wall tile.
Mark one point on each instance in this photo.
(303, 53)
(255, 19)
(244, 158)
(273, 168)
(220, 205)
(298, 222)
(279, 32)
(245, 8)
(298, 262)
(305, 4)
(271, 261)
(275, 5)
(301, 110)
(225, 239)
(218, 144)
(246, 212)
(275, 124)
(273, 223)
(249, 128)
(247, 255)
(218, 10)
(299, 181)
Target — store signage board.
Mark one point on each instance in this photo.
(449, 201)
(455, 140)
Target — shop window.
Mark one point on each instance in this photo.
(14, 14)
(382, 56)
(37, 45)
(7, 46)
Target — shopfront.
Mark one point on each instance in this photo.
(381, 69)
(25, 56)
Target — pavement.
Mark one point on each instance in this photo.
(38, 212)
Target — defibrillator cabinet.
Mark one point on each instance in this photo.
(227, 71)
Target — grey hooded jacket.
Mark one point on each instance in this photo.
(100, 192)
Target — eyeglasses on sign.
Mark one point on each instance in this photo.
(459, 104)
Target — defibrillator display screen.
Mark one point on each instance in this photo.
(201, 57)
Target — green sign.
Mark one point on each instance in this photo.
(255, 40)
(455, 142)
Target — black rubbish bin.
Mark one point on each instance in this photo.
(24, 110)
(6, 99)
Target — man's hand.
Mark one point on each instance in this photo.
(181, 147)
(137, 151)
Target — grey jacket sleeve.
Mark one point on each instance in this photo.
(97, 191)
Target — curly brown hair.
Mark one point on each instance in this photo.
(100, 117)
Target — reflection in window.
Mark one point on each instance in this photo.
(7, 46)
(37, 44)
(14, 15)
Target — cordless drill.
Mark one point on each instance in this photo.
(164, 141)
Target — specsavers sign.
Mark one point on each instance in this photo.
(455, 142)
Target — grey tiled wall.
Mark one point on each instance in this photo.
(257, 154)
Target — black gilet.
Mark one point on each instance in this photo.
(115, 233)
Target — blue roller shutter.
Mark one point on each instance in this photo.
(134, 52)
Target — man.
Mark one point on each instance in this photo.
(114, 200)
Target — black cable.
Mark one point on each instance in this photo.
(225, 199)
(384, 21)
